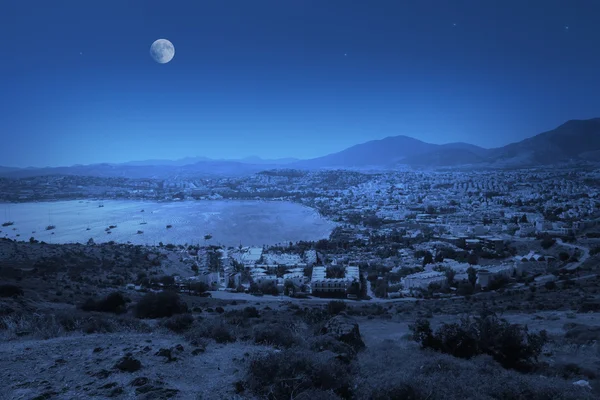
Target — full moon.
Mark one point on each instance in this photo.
(162, 51)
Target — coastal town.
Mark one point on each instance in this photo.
(401, 234)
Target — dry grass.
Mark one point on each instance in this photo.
(49, 325)
(391, 372)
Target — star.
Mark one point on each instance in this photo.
(567, 28)
(81, 53)
(345, 55)
(454, 24)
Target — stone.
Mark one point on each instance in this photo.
(128, 364)
(346, 330)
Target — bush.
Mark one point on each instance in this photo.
(335, 272)
(547, 242)
(390, 371)
(281, 375)
(8, 290)
(465, 289)
(178, 323)
(269, 288)
(277, 336)
(159, 305)
(336, 306)
(251, 312)
(509, 344)
(550, 285)
(211, 330)
(198, 287)
(113, 303)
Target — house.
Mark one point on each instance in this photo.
(234, 280)
(534, 263)
(422, 280)
(542, 225)
(210, 278)
(297, 278)
(493, 242)
(252, 255)
(488, 275)
(321, 284)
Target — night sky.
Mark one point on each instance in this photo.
(287, 78)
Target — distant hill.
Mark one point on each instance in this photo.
(396, 150)
(576, 140)
(193, 160)
(573, 141)
(384, 152)
(202, 168)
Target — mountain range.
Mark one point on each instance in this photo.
(573, 141)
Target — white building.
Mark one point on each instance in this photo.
(488, 275)
(422, 280)
(320, 282)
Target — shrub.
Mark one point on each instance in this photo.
(221, 334)
(277, 336)
(335, 272)
(282, 375)
(268, 288)
(8, 290)
(465, 289)
(178, 323)
(547, 242)
(550, 285)
(336, 306)
(159, 305)
(251, 312)
(114, 303)
(389, 371)
(198, 287)
(509, 344)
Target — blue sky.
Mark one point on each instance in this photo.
(287, 78)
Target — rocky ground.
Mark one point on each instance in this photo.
(265, 347)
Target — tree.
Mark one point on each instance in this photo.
(167, 280)
(335, 272)
(214, 261)
(198, 287)
(547, 242)
(289, 289)
(473, 259)
(427, 259)
(354, 288)
(450, 274)
(472, 272)
(439, 257)
(524, 219)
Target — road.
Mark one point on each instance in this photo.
(581, 260)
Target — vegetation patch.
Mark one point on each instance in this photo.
(160, 305)
(509, 344)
